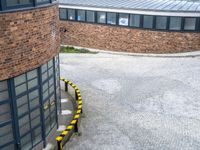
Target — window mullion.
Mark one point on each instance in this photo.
(14, 114)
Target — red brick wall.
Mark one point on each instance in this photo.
(128, 40)
(28, 39)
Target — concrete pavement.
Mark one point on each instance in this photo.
(136, 103)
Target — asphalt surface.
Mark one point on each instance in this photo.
(136, 103)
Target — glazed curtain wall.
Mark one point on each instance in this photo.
(15, 4)
(163, 23)
(28, 107)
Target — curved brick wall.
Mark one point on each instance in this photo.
(28, 39)
(128, 40)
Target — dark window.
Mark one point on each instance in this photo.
(123, 19)
(90, 16)
(190, 24)
(48, 96)
(101, 17)
(135, 20)
(42, 1)
(81, 15)
(161, 22)
(148, 22)
(71, 14)
(63, 13)
(11, 2)
(6, 133)
(26, 95)
(17, 2)
(175, 23)
(111, 18)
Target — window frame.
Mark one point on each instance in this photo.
(93, 18)
(196, 24)
(116, 18)
(77, 15)
(141, 21)
(66, 13)
(119, 18)
(181, 23)
(103, 23)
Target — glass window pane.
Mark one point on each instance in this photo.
(23, 2)
(47, 125)
(10, 147)
(24, 129)
(51, 89)
(63, 13)
(53, 118)
(81, 15)
(22, 100)
(4, 96)
(44, 76)
(33, 94)
(6, 137)
(45, 95)
(37, 135)
(51, 81)
(50, 63)
(111, 18)
(22, 109)
(35, 122)
(40, 1)
(33, 83)
(20, 89)
(4, 108)
(123, 19)
(5, 129)
(11, 2)
(35, 113)
(20, 79)
(161, 22)
(148, 22)
(44, 68)
(32, 74)
(135, 20)
(23, 120)
(190, 24)
(90, 16)
(71, 14)
(3, 85)
(175, 23)
(34, 103)
(26, 142)
(101, 17)
(45, 86)
(5, 117)
(50, 71)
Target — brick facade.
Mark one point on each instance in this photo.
(129, 40)
(28, 39)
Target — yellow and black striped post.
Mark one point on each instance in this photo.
(59, 142)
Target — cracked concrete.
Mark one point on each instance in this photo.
(136, 103)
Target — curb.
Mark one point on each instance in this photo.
(174, 55)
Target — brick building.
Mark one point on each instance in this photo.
(30, 42)
(143, 26)
(29, 73)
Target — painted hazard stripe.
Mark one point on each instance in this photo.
(73, 122)
(76, 116)
(59, 138)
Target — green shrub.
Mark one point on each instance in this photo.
(69, 49)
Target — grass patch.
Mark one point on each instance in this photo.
(69, 49)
